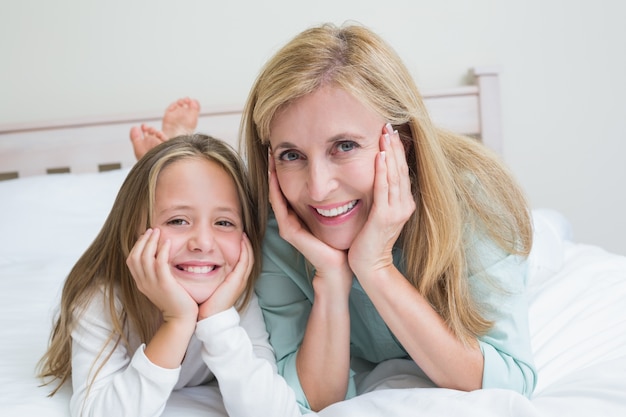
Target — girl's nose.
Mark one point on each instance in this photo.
(202, 240)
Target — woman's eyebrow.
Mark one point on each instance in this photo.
(285, 144)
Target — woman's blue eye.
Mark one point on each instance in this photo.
(346, 146)
(289, 156)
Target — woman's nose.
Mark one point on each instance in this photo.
(321, 180)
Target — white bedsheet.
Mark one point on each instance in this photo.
(577, 316)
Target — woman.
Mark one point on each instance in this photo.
(388, 237)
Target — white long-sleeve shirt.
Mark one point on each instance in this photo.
(231, 348)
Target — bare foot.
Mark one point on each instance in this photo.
(145, 138)
(181, 117)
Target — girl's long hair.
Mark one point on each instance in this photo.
(102, 267)
(460, 187)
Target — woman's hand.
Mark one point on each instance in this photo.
(150, 268)
(229, 291)
(327, 261)
(393, 205)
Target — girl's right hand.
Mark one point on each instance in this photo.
(326, 260)
(149, 266)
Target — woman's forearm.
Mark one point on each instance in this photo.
(446, 360)
(323, 360)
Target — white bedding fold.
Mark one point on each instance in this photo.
(577, 317)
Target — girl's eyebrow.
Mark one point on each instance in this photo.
(183, 207)
(228, 209)
(177, 207)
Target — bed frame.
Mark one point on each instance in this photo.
(102, 144)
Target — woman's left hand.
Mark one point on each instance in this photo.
(393, 205)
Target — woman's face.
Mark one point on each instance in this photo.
(197, 208)
(324, 147)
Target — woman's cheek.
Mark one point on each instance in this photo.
(289, 183)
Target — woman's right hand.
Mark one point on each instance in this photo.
(327, 261)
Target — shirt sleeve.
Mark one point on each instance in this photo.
(121, 384)
(501, 290)
(238, 352)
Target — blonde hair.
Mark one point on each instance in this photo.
(460, 187)
(103, 264)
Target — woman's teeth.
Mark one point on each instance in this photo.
(337, 210)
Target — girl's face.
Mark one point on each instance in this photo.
(324, 147)
(197, 208)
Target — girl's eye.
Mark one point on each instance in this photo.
(346, 146)
(177, 222)
(289, 156)
(225, 223)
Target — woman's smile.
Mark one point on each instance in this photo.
(336, 211)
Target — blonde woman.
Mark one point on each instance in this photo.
(387, 237)
(163, 298)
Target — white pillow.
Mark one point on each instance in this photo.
(551, 229)
(51, 215)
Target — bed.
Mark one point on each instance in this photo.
(60, 179)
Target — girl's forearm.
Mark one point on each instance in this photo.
(169, 344)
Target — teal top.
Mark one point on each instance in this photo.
(285, 295)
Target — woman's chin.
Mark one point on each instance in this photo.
(336, 241)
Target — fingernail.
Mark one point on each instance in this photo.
(383, 156)
(387, 139)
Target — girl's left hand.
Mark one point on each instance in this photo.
(229, 291)
(393, 205)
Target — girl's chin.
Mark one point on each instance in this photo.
(201, 297)
(200, 300)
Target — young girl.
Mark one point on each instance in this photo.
(151, 306)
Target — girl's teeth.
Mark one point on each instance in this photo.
(199, 269)
(337, 210)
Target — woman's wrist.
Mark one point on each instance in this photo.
(334, 285)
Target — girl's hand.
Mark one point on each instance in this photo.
(326, 260)
(393, 205)
(229, 291)
(150, 268)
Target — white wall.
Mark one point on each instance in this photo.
(563, 73)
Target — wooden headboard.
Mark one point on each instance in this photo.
(101, 144)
